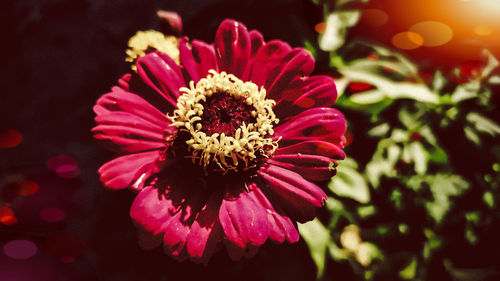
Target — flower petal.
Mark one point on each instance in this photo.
(121, 100)
(198, 58)
(281, 226)
(319, 123)
(313, 167)
(297, 196)
(130, 170)
(315, 147)
(125, 132)
(151, 209)
(257, 41)
(233, 47)
(276, 65)
(162, 74)
(244, 220)
(267, 63)
(314, 91)
(205, 232)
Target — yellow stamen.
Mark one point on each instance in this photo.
(144, 42)
(249, 140)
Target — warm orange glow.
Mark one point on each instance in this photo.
(407, 40)
(434, 33)
(483, 30)
(320, 27)
(373, 17)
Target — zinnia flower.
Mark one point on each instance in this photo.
(228, 147)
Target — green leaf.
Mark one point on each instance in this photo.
(410, 121)
(409, 271)
(366, 211)
(443, 186)
(310, 47)
(438, 82)
(419, 156)
(470, 235)
(391, 89)
(379, 131)
(368, 97)
(491, 64)
(336, 29)
(438, 155)
(349, 182)
(489, 199)
(471, 135)
(396, 196)
(495, 80)
(380, 165)
(466, 91)
(483, 124)
(317, 238)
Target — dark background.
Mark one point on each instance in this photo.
(59, 56)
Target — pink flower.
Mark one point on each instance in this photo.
(228, 147)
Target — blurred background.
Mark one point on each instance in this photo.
(416, 199)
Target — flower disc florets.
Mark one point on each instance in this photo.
(229, 121)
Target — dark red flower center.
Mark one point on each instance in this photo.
(224, 113)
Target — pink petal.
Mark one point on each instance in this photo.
(151, 210)
(281, 226)
(257, 41)
(314, 147)
(319, 123)
(128, 170)
(294, 183)
(121, 100)
(205, 232)
(175, 236)
(313, 167)
(233, 47)
(296, 64)
(124, 81)
(267, 62)
(297, 196)
(198, 58)
(125, 132)
(162, 74)
(276, 66)
(314, 91)
(244, 220)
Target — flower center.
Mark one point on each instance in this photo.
(225, 122)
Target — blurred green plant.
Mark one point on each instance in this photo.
(421, 184)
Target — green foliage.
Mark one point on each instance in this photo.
(423, 174)
(349, 182)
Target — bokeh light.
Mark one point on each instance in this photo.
(433, 33)
(52, 214)
(26, 187)
(483, 30)
(20, 249)
(6, 214)
(407, 40)
(373, 17)
(10, 138)
(65, 166)
(320, 27)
